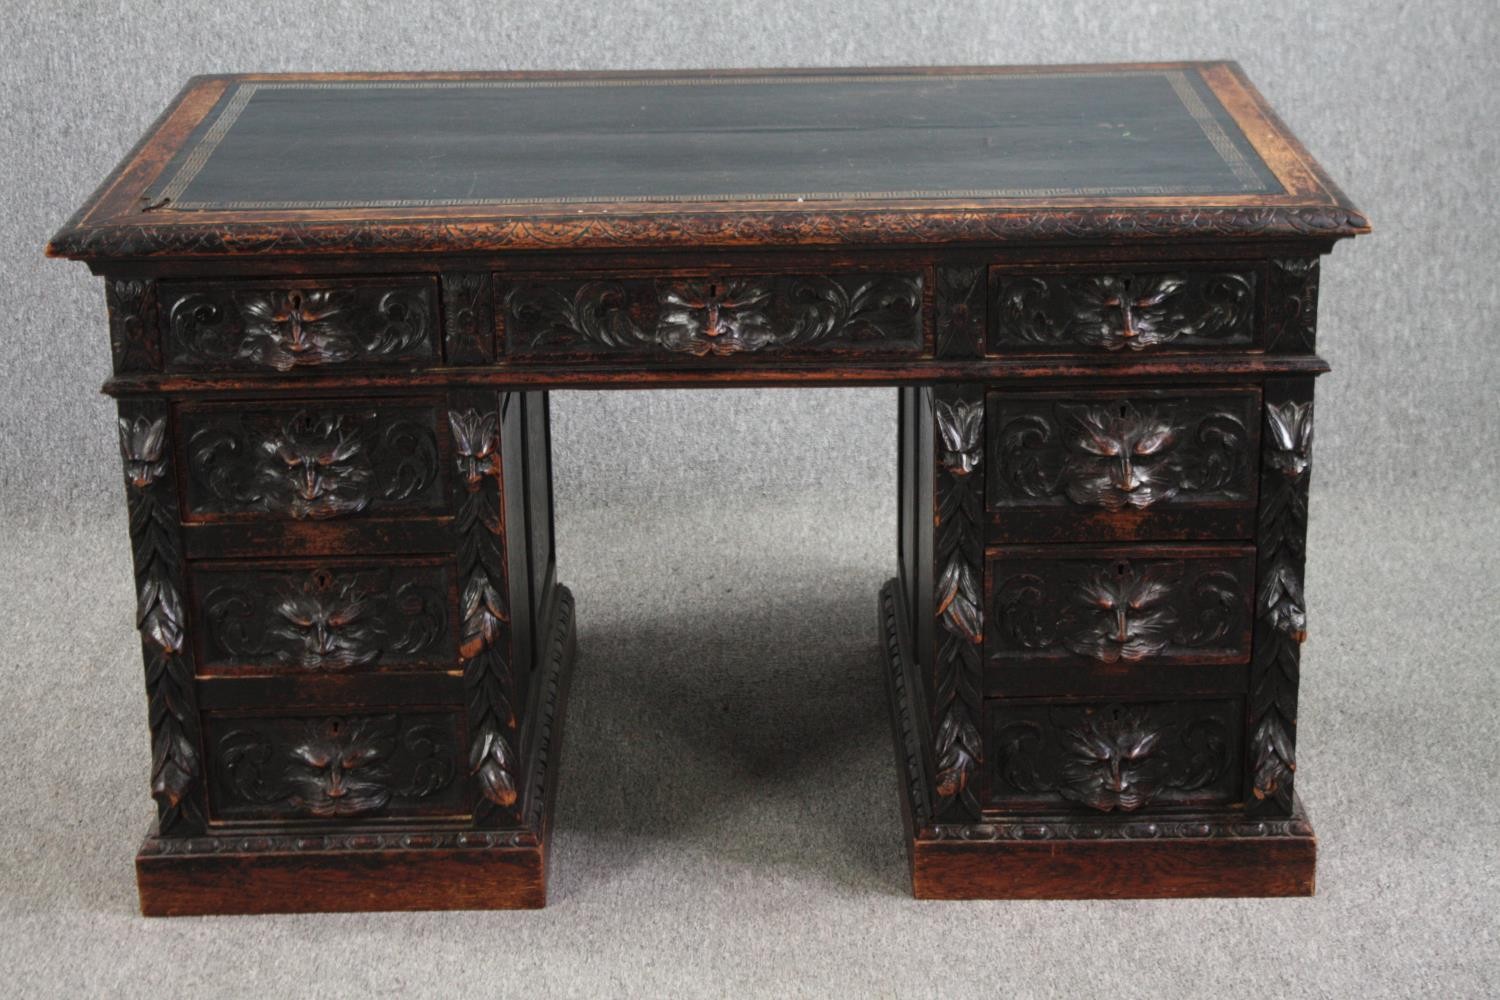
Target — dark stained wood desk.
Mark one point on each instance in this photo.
(337, 305)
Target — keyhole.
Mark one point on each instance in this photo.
(1121, 568)
(1124, 408)
(296, 300)
(322, 579)
(713, 289)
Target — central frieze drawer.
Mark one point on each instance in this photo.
(1133, 463)
(714, 315)
(300, 324)
(1121, 311)
(314, 460)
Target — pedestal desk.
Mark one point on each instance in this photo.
(337, 305)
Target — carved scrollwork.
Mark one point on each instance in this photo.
(468, 317)
(335, 767)
(313, 464)
(1122, 453)
(714, 316)
(151, 491)
(485, 643)
(132, 324)
(320, 620)
(1115, 312)
(1281, 624)
(1112, 610)
(1292, 313)
(1114, 757)
(287, 328)
(958, 416)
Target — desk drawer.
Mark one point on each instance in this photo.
(1122, 464)
(1113, 608)
(308, 617)
(314, 459)
(714, 315)
(300, 324)
(373, 764)
(1122, 311)
(1109, 757)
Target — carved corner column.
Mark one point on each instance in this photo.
(486, 647)
(1280, 608)
(958, 554)
(156, 548)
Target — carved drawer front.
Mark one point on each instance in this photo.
(1086, 466)
(289, 325)
(1112, 757)
(314, 460)
(310, 618)
(714, 315)
(1115, 608)
(1125, 312)
(366, 765)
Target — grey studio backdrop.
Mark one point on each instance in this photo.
(728, 822)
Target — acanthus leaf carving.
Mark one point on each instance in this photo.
(1114, 312)
(1281, 624)
(1114, 757)
(287, 328)
(335, 767)
(151, 492)
(485, 643)
(715, 316)
(958, 416)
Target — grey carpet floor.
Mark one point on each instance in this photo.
(728, 823)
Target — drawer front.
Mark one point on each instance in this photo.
(322, 767)
(1115, 607)
(702, 316)
(314, 459)
(282, 326)
(1112, 757)
(306, 617)
(1121, 311)
(1091, 466)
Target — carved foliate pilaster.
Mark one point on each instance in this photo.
(1280, 610)
(1292, 315)
(958, 507)
(468, 318)
(151, 491)
(485, 648)
(134, 340)
(960, 311)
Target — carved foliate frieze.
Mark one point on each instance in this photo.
(151, 492)
(283, 328)
(335, 767)
(958, 422)
(133, 338)
(1113, 757)
(301, 619)
(1292, 311)
(1117, 610)
(468, 318)
(1122, 311)
(312, 463)
(960, 311)
(485, 646)
(716, 316)
(1106, 452)
(1281, 610)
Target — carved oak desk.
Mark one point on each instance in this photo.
(337, 305)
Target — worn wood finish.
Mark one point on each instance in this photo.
(1094, 287)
